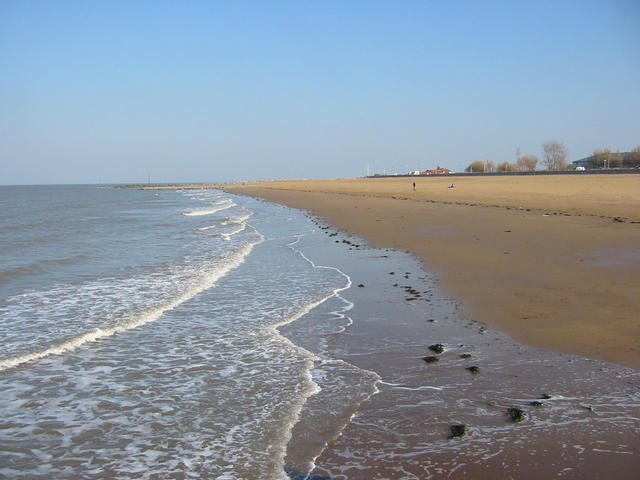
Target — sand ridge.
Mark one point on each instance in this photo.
(552, 260)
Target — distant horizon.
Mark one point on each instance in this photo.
(95, 92)
(607, 171)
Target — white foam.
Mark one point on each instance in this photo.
(348, 305)
(220, 206)
(240, 219)
(398, 386)
(152, 314)
(336, 292)
(230, 234)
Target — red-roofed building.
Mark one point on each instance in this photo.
(438, 171)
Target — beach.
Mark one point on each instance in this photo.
(244, 339)
(553, 261)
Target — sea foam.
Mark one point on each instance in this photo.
(205, 282)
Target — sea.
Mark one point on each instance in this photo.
(179, 334)
(140, 337)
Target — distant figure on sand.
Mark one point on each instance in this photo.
(414, 186)
(452, 186)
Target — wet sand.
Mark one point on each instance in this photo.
(580, 416)
(554, 261)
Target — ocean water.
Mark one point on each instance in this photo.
(140, 337)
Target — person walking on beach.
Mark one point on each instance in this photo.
(414, 186)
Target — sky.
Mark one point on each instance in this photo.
(208, 91)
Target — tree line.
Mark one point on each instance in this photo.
(555, 159)
(605, 158)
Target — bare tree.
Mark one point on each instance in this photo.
(601, 158)
(632, 159)
(555, 155)
(477, 166)
(506, 167)
(615, 161)
(527, 163)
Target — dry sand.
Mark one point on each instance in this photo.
(552, 260)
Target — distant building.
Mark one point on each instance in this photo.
(438, 171)
(615, 158)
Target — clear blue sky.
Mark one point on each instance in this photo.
(108, 91)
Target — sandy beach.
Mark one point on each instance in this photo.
(553, 261)
(465, 311)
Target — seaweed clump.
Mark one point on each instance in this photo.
(430, 359)
(515, 414)
(474, 369)
(437, 348)
(457, 430)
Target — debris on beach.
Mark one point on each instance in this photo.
(361, 285)
(474, 369)
(457, 430)
(437, 348)
(465, 355)
(545, 396)
(430, 359)
(536, 403)
(412, 291)
(515, 414)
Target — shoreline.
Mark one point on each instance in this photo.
(562, 279)
(570, 405)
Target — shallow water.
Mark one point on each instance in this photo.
(156, 352)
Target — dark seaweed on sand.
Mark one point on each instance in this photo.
(457, 430)
(515, 414)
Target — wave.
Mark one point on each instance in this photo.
(217, 207)
(231, 220)
(241, 219)
(228, 235)
(197, 213)
(150, 315)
